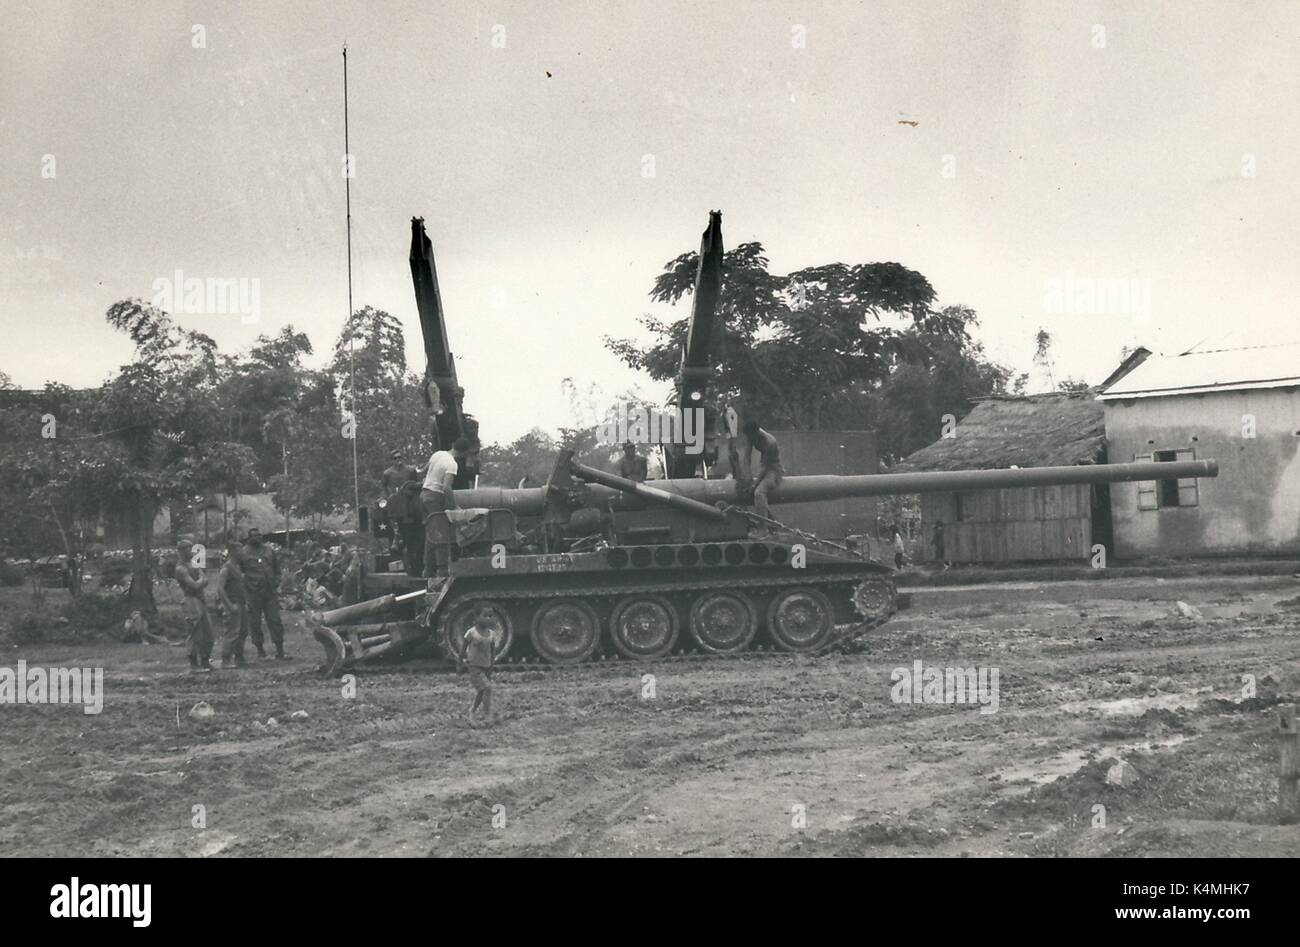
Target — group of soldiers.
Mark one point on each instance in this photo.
(330, 577)
(247, 592)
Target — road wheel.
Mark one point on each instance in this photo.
(565, 631)
(800, 620)
(460, 618)
(723, 622)
(644, 627)
(874, 599)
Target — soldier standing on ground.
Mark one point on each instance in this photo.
(940, 554)
(261, 569)
(476, 650)
(230, 589)
(193, 582)
(72, 575)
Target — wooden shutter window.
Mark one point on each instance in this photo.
(1188, 494)
(1146, 488)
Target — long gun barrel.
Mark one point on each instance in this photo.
(530, 502)
(647, 492)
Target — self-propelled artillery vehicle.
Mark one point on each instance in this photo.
(594, 564)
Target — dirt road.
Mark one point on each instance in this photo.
(776, 755)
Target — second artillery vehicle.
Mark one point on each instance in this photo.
(592, 563)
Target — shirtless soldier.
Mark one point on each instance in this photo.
(476, 651)
(230, 590)
(193, 582)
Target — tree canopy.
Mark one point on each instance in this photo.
(825, 347)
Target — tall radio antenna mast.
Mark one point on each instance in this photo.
(348, 167)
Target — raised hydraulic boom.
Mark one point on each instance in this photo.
(443, 393)
(696, 367)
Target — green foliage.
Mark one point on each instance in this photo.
(941, 379)
(825, 347)
(114, 572)
(531, 455)
(372, 348)
(29, 628)
(95, 612)
(391, 413)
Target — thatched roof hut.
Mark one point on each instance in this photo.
(1048, 430)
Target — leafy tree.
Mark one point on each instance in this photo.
(941, 378)
(789, 346)
(390, 412)
(160, 432)
(531, 455)
(37, 513)
(372, 349)
(268, 379)
(829, 347)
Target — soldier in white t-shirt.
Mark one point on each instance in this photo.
(437, 496)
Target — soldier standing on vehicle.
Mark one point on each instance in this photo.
(476, 650)
(771, 473)
(230, 589)
(632, 466)
(397, 474)
(437, 496)
(193, 582)
(261, 569)
(402, 491)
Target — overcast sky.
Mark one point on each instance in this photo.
(1053, 144)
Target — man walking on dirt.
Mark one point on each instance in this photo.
(900, 547)
(437, 496)
(261, 569)
(193, 582)
(230, 590)
(476, 651)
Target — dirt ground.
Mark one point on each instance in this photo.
(761, 756)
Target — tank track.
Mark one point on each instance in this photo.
(680, 593)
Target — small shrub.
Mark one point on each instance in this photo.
(29, 628)
(96, 611)
(115, 573)
(10, 574)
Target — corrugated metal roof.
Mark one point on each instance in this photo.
(1197, 371)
